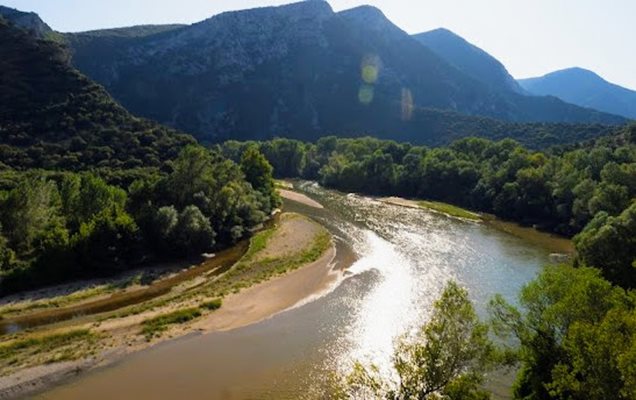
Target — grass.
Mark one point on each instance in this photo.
(450, 209)
(212, 305)
(258, 243)
(156, 325)
(282, 184)
(67, 346)
(55, 302)
(248, 272)
(11, 310)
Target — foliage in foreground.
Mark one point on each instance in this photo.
(577, 336)
(447, 359)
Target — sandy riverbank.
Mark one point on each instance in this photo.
(277, 292)
(300, 198)
(398, 201)
(269, 298)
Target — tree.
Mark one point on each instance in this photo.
(107, 243)
(448, 358)
(192, 173)
(576, 333)
(7, 256)
(193, 233)
(258, 172)
(30, 211)
(165, 221)
(609, 243)
(86, 195)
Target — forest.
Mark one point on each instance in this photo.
(58, 226)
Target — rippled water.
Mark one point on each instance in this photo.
(404, 258)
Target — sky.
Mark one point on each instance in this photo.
(530, 37)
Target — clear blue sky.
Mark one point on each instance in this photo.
(531, 37)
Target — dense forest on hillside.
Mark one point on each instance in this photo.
(51, 116)
(586, 191)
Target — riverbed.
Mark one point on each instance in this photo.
(403, 258)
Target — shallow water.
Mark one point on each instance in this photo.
(404, 258)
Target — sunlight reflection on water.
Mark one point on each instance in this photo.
(404, 258)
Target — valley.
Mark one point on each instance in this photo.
(363, 273)
(310, 201)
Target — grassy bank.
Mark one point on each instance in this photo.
(449, 209)
(31, 350)
(255, 267)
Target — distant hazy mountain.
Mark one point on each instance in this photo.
(28, 21)
(469, 59)
(52, 116)
(586, 89)
(299, 70)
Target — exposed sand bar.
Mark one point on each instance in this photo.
(272, 297)
(300, 198)
(398, 201)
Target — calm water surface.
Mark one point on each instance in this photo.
(404, 258)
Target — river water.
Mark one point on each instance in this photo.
(403, 258)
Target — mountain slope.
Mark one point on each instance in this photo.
(52, 116)
(586, 89)
(301, 71)
(31, 22)
(469, 59)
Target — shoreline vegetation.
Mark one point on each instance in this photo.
(555, 243)
(266, 280)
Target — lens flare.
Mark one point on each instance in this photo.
(407, 104)
(370, 69)
(365, 94)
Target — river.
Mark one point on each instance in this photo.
(403, 258)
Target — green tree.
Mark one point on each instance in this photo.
(86, 195)
(193, 233)
(7, 256)
(575, 334)
(192, 173)
(609, 243)
(107, 243)
(447, 359)
(258, 172)
(30, 212)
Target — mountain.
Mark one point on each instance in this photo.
(52, 116)
(29, 21)
(469, 59)
(302, 71)
(586, 89)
